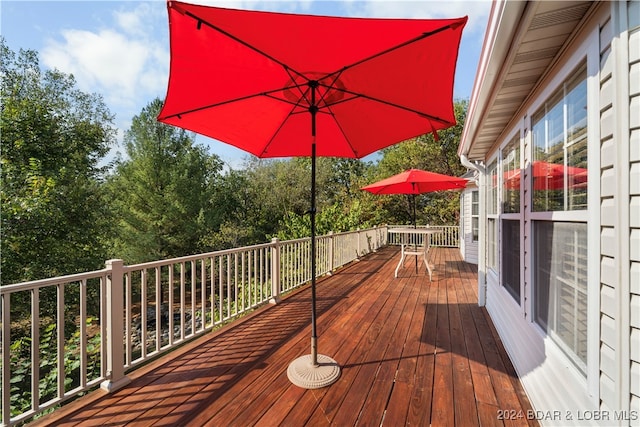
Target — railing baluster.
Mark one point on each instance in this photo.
(103, 326)
(203, 293)
(193, 297)
(229, 285)
(220, 293)
(60, 339)
(83, 333)
(158, 271)
(171, 302)
(183, 296)
(245, 280)
(35, 348)
(143, 313)
(127, 323)
(213, 291)
(235, 282)
(260, 278)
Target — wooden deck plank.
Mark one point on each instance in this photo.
(420, 406)
(359, 313)
(412, 352)
(352, 348)
(465, 408)
(400, 399)
(230, 407)
(334, 326)
(373, 409)
(376, 343)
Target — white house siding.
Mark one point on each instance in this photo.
(608, 393)
(468, 248)
(633, 18)
(620, 210)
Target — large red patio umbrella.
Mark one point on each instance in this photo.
(413, 182)
(281, 85)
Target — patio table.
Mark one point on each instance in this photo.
(409, 248)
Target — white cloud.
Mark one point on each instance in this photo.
(125, 61)
(476, 10)
(105, 59)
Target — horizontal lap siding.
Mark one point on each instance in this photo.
(610, 263)
(620, 212)
(634, 213)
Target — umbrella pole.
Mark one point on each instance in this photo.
(314, 334)
(313, 370)
(415, 224)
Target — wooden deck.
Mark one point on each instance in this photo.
(411, 353)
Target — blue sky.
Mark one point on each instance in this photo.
(120, 49)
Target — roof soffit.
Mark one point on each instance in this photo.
(537, 35)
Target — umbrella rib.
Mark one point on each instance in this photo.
(242, 42)
(382, 101)
(401, 45)
(229, 101)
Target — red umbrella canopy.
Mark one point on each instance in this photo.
(415, 181)
(250, 79)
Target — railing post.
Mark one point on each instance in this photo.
(116, 378)
(358, 248)
(275, 271)
(331, 260)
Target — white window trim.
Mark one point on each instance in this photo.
(589, 51)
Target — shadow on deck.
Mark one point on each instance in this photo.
(412, 352)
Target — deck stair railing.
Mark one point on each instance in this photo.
(62, 336)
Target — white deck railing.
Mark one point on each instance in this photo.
(449, 238)
(91, 328)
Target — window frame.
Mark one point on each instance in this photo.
(565, 216)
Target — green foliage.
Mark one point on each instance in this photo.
(53, 137)
(21, 369)
(162, 194)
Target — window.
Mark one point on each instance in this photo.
(475, 214)
(492, 238)
(560, 293)
(510, 247)
(492, 211)
(511, 257)
(492, 194)
(559, 132)
(511, 176)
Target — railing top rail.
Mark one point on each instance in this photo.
(390, 226)
(7, 289)
(17, 287)
(187, 258)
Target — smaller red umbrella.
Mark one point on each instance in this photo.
(415, 181)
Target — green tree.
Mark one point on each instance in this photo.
(162, 194)
(53, 137)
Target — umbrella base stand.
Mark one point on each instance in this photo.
(304, 374)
